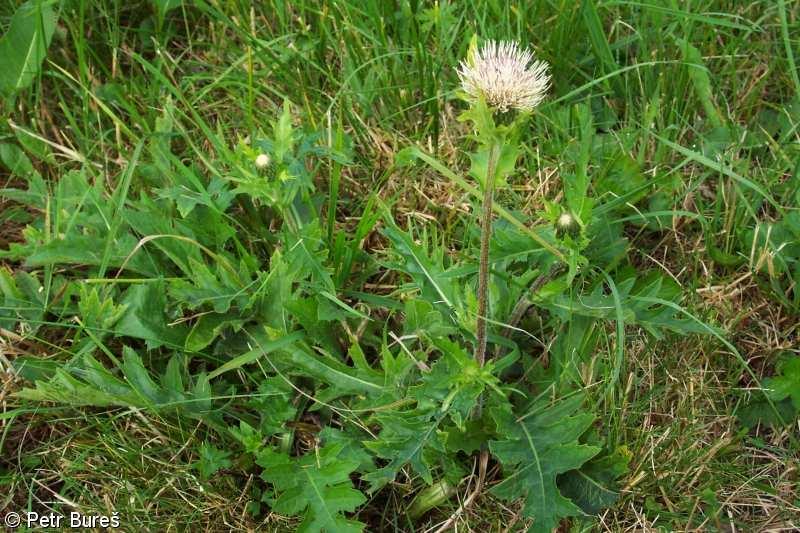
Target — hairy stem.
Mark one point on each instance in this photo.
(483, 269)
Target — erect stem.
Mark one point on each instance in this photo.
(483, 268)
(483, 292)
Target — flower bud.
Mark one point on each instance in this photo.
(262, 161)
(566, 224)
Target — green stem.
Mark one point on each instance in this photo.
(483, 269)
(444, 171)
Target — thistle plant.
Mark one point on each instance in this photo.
(502, 83)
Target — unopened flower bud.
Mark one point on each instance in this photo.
(566, 224)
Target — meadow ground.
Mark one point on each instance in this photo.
(694, 108)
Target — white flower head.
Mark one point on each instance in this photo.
(567, 225)
(506, 76)
(262, 161)
(565, 220)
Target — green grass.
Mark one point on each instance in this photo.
(693, 146)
